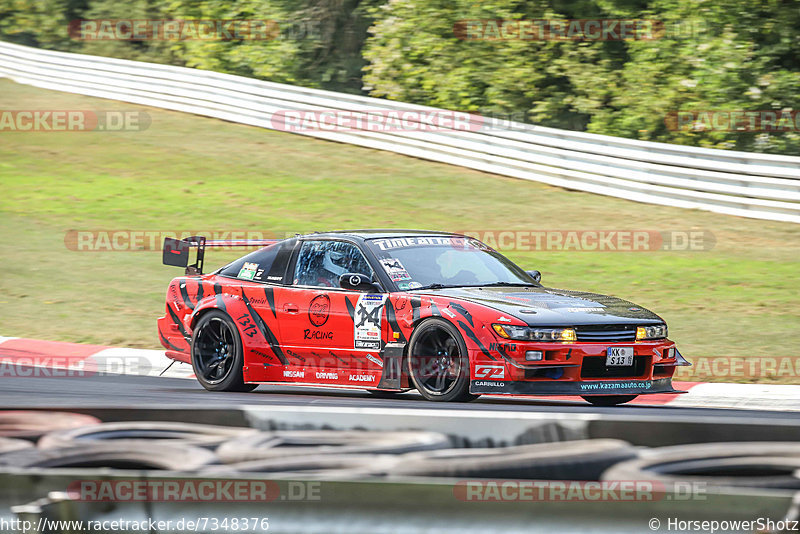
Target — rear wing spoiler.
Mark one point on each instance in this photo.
(176, 251)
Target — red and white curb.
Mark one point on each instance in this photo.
(33, 357)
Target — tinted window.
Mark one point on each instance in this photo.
(265, 265)
(413, 262)
(320, 263)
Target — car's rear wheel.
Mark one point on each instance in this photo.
(217, 357)
(608, 400)
(438, 362)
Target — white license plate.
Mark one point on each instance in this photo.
(619, 356)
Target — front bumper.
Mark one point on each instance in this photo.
(575, 369)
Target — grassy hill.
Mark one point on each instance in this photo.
(187, 173)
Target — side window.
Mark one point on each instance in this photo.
(320, 263)
(265, 265)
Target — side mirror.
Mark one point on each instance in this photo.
(536, 275)
(357, 282)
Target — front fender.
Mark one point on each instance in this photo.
(471, 320)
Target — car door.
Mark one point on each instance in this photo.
(317, 325)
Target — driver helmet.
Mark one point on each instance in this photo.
(335, 262)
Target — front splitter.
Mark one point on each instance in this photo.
(583, 388)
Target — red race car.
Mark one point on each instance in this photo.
(394, 310)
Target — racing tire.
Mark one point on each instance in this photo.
(144, 432)
(317, 443)
(171, 457)
(438, 362)
(736, 464)
(11, 444)
(565, 460)
(217, 355)
(608, 400)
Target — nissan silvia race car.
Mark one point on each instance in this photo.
(394, 310)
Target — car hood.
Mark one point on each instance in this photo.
(553, 307)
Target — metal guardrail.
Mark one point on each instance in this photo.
(736, 183)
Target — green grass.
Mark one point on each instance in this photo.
(186, 172)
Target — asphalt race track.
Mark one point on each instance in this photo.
(119, 391)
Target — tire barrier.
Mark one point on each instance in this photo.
(170, 457)
(568, 460)
(80, 441)
(32, 424)
(774, 465)
(315, 466)
(11, 444)
(337, 480)
(282, 444)
(208, 436)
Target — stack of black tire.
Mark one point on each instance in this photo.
(65, 440)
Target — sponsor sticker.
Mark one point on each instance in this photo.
(490, 384)
(319, 309)
(405, 242)
(395, 270)
(248, 271)
(367, 322)
(317, 334)
(375, 360)
(490, 372)
(360, 378)
(503, 347)
(325, 375)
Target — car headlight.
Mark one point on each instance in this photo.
(651, 332)
(528, 333)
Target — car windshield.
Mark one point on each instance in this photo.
(419, 262)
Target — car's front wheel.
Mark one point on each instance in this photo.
(217, 357)
(608, 400)
(438, 362)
